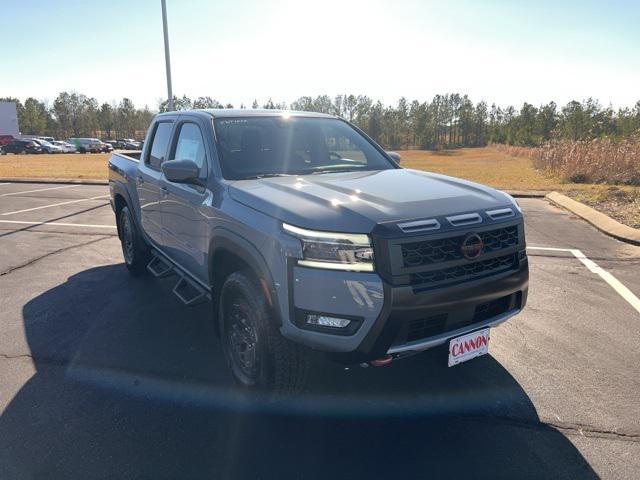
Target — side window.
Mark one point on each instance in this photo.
(190, 145)
(159, 143)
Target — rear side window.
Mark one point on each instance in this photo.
(190, 145)
(159, 143)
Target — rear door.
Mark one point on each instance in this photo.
(149, 179)
(184, 209)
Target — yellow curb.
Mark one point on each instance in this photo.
(602, 222)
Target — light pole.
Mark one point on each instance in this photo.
(166, 55)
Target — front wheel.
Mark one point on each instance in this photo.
(258, 355)
(135, 252)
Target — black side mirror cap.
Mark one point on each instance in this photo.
(395, 156)
(182, 171)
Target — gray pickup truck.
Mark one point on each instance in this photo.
(304, 234)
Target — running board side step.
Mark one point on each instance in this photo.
(159, 268)
(187, 290)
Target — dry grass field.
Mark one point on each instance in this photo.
(64, 165)
(484, 165)
(488, 165)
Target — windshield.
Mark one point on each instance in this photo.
(253, 147)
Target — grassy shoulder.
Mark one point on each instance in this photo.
(63, 165)
(620, 203)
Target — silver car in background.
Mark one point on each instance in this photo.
(66, 147)
(47, 147)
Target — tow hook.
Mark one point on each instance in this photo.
(382, 361)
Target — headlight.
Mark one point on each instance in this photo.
(514, 201)
(336, 251)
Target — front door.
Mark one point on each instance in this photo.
(185, 206)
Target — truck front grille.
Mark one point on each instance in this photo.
(462, 273)
(428, 252)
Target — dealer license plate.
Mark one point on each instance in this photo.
(468, 346)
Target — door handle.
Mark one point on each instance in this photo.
(140, 180)
(165, 191)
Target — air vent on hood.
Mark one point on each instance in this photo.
(464, 219)
(500, 213)
(419, 225)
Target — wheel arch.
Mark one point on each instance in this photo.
(121, 199)
(228, 252)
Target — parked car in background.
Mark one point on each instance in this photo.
(4, 139)
(48, 139)
(106, 147)
(20, 146)
(47, 147)
(66, 147)
(84, 145)
(128, 144)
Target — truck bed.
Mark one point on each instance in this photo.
(123, 168)
(129, 154)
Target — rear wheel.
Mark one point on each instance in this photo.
(258, 355)
(134, 250)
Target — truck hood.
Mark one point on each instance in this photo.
(357, 201)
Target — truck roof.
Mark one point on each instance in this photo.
(241, 112)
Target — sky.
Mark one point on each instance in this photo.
(503, 52)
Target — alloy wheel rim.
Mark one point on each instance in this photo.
(127, 240)
(242, 340)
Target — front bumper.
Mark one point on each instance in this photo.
(389, 314)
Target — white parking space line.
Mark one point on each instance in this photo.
(38, 190)
(5, 183)
(613, 282)
(57, 224)
(56, 205)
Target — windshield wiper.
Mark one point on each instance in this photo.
(266, 175)
(334, 170)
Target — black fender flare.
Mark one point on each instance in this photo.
(120, 189)
(225, 239)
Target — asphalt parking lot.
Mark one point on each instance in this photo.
(102, 375)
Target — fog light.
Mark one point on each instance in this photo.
(324, 321)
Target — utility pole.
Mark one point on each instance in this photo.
(166, 55)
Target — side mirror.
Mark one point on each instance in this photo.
(182, 171)
(395, 156)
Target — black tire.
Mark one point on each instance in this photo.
(134, 250)
(279, 367)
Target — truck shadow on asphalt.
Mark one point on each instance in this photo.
(128, 385)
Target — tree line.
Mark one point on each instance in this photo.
(446, 121)
(76, 115)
